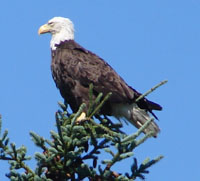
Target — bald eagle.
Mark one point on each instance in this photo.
(74, 68)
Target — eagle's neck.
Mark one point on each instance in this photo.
(67, 34)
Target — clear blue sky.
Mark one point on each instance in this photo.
(145, 41)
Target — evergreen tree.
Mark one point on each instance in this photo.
(73, 152)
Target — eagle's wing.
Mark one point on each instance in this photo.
(86, 68)
(81, 67)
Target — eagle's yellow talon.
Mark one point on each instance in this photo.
(81, 117)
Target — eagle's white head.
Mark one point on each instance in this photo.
(60, 28)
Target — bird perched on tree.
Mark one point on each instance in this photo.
(74, 68)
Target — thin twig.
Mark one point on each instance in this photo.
(101, 104)
(139, 131)
(110, 132)
(151, 90)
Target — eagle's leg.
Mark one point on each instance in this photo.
(81, 117)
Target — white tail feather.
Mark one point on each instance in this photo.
(135, 115)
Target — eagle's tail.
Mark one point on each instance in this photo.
(139, 116)
(135, 116)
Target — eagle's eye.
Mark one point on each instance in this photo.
(50, 23)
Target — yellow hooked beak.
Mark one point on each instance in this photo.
(44, 29)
